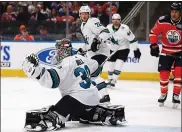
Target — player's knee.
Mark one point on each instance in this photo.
(119, 64)
(178, 71)
(164, 75)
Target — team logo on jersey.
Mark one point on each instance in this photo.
(173, 36)
(47, 56)
(128, 33)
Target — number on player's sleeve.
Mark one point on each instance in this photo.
(98, 24)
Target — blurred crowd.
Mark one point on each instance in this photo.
(53, 12)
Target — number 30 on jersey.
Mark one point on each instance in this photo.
(85, 75)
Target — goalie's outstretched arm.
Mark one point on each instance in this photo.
(46, 77)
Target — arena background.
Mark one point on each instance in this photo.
(50, 21)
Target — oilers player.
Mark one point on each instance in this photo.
(123, 37)
(170, 28)
(79, 97)
(95, 36)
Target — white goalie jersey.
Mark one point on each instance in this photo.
(72, 77)
(94, 29)
(123, 37)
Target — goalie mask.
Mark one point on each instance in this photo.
(63, 49)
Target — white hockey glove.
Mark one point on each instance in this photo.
(31, 66)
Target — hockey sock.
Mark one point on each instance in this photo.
(110, 70)
(117, 69)
(101, 85)
(164, 80)
(177, 80)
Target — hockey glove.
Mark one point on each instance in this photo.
(95, 45)
(154, 50)
(81, 52)
(137, 53)
(31, 66)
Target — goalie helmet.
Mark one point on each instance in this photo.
(63, 49)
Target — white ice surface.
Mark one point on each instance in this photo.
(139, 98)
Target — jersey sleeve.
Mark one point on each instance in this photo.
(51, 78)
(131, 38)
(129, 34)
(93, 65)
(155, 32)
(99, 30)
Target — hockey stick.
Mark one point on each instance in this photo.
(109, 57)
(180, 57)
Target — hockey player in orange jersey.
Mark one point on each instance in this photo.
(170, 27)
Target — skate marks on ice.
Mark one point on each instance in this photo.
(139, 98)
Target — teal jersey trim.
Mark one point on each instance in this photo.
(55, 78)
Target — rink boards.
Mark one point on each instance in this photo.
(13, 54)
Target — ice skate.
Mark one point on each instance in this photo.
(162, 99)
(175, 101)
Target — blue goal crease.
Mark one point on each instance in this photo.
(74, 42)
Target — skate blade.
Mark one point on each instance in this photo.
(161, 104)
(175, 105)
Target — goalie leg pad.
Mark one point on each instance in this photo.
(43, 119)
(112, 115)
(108, 115)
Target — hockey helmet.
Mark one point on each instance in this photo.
(63, 49)
(176, 6)
(116, 17)
(85, 9)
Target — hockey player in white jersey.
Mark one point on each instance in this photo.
(95, 36)
(124, 38)
(80, 97)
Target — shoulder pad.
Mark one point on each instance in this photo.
(109, 25)
(165, 18)
(123, 26)
(162, 17)
(94, 19)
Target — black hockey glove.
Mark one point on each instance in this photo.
(137, 53)
(154, 50)
(80, 51)
(95, 45)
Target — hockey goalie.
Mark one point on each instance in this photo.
(80, 98)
